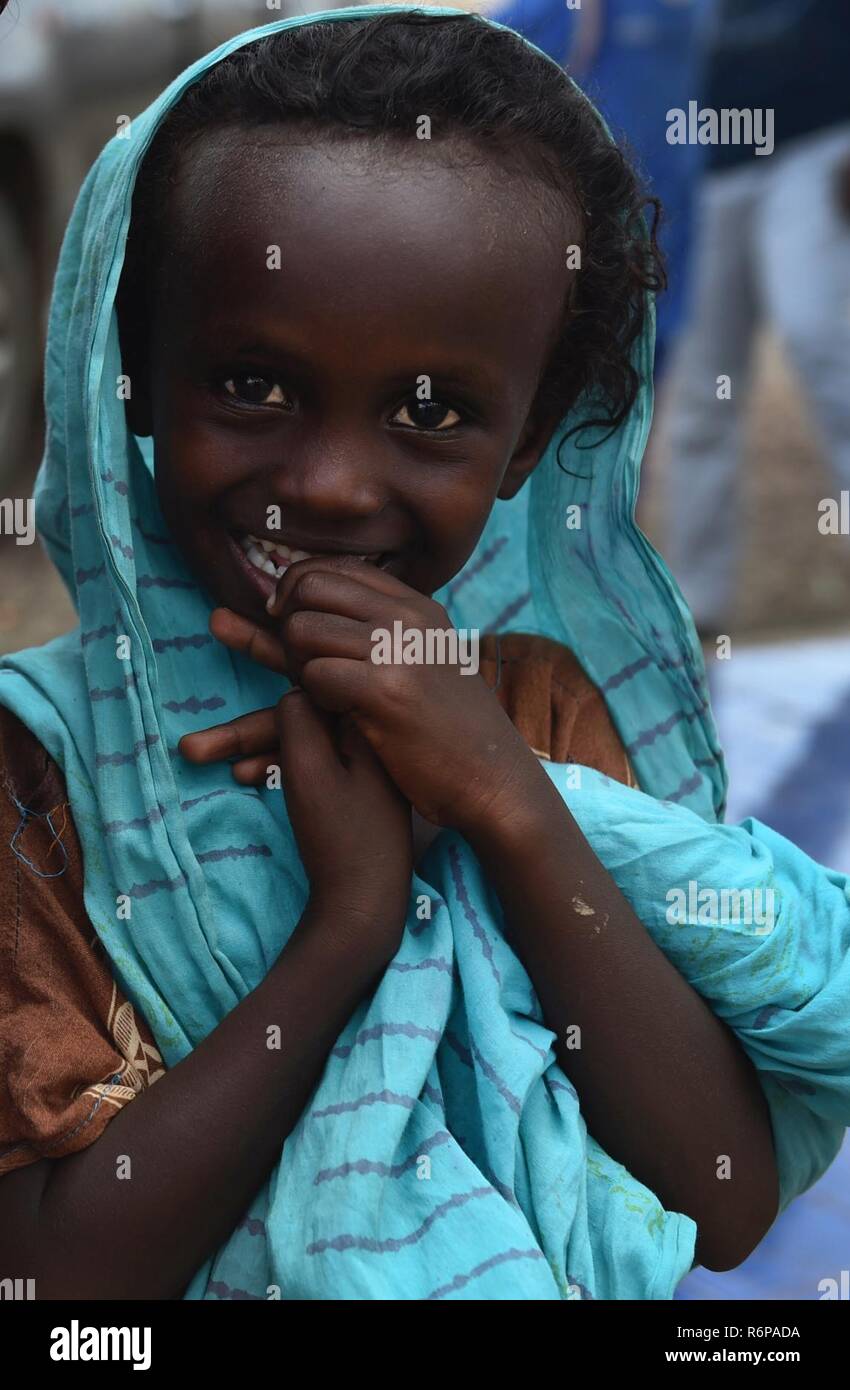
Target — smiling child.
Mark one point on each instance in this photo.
(421, 1024)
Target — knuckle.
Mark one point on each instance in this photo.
(394, 684)
(289, 704)
(295, 627)
(314, 674)
(231, 737)
(437, 615)
(309, 587)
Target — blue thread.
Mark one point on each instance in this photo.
(45, 815)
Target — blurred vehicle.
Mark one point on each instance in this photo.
(68, 71)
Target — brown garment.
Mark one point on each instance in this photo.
(73, 1050)
(558, 710)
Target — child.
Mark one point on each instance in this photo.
(338, 371)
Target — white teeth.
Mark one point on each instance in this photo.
(262, 552)
(258, 558)
(275, 548)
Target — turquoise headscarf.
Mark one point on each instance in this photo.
(450, 1060)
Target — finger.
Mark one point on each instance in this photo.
(239, 738)
(329, 614)
(365, 574)
(241, 635)
(308, 634)
(335, 684)
(253, 772)
(323, 591)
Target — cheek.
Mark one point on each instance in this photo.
(194, 460)
(187, 500)
(454, 519)
(464, 500)
(194, 466)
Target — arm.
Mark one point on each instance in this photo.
(204, 1137)
(201, 1140)
(664, 1085)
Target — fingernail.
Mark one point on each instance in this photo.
(270, 602)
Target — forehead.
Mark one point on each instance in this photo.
(435, 238)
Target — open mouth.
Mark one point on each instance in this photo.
(267, 561)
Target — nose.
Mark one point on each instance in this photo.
(337, 477)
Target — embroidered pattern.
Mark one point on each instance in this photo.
(142, 1064)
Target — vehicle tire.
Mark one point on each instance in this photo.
(20, 340)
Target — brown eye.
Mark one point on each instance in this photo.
(426, 415)
(255, 390)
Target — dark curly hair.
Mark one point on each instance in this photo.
(374, 77)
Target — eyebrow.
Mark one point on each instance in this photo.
(454, 375)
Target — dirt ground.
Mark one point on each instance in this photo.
(794, 581)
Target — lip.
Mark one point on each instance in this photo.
(265, 584)
(315, 547)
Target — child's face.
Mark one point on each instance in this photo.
(305, 387)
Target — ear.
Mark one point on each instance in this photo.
(531, 445)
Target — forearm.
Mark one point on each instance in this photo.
(664, 1085)
(203, 1138)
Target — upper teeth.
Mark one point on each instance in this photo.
(262, 552)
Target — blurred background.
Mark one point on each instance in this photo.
(752, 426)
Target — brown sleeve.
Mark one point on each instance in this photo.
(555, 706)
(73, 1050)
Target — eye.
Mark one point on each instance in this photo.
(425, 415)
(254, 389)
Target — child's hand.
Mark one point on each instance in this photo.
(352, 826)
(252, 739)
(442, 736)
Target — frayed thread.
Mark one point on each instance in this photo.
(27, 815)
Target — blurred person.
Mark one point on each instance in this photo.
(773, 250)
(635, 59)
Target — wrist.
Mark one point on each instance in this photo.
(514, 811)
(370, 924)
(325, 950)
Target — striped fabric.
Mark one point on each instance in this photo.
(442, 1153)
